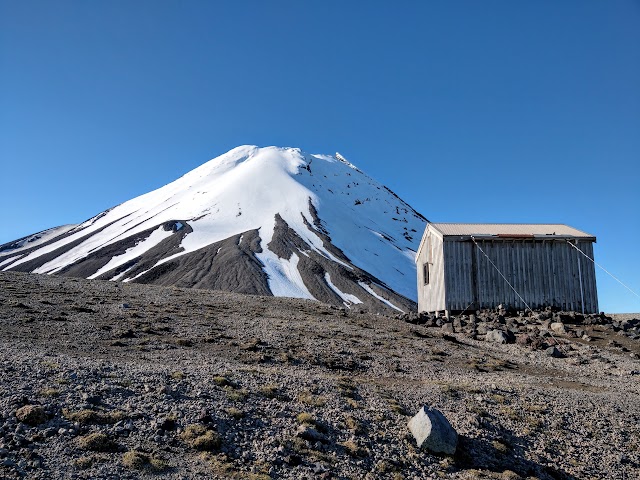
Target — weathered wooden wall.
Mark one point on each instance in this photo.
(544, 272)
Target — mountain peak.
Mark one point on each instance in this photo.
(267, 220)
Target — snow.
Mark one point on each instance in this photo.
(346, 297)
(9, 260)
(138, 275)
(151, 241)
(354, 228)
(283, 276)
(37, 239)
(243, 190)
(383, 300)
(121, 274)
(345, 161)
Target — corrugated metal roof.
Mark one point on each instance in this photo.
(509, 229)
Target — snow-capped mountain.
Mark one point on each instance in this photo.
(270, 221)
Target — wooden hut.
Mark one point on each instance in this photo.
(465, 266)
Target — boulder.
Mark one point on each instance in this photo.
(433, 431)
(553, 352)
(524, 339)
(311, 434)
(457, 325)
(447, 327)
(499, 336)
(558, 327)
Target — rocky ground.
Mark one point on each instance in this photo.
(109, 380)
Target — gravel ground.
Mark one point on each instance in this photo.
(109, 380)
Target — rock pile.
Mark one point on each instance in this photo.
(538, 330)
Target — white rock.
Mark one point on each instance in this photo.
(433, 431)
(497, 336)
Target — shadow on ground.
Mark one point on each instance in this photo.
(501, 456)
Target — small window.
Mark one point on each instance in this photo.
(425, 272)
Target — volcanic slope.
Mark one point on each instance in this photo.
(269, 221)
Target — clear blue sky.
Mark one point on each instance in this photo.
(472, 111)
